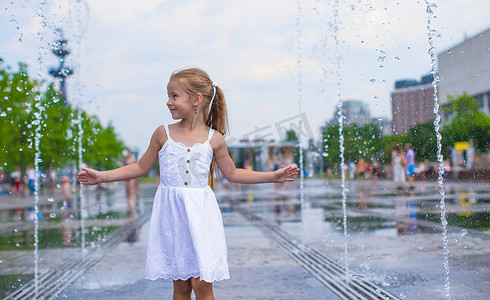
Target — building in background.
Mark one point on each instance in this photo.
(462, 68)
(384, 124)
(466, 68)
(356, 111)
(412, 102)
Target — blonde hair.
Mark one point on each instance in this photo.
(195, 81)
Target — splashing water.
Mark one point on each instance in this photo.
(79, 19)
(300, 95)
(37, 142)
(80, 189)
(431, 33)
(341, 136)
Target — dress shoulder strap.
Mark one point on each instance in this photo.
(167, 131)
(211, 132)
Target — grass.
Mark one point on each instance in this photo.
(148, 180)
(11, 282)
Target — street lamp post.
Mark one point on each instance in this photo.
(60, 50)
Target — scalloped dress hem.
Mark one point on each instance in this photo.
(185, 278)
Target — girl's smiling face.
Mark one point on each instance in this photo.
(179, 101)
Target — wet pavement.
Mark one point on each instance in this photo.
(394, 241)
(258, 270)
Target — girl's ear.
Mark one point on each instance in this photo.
(198, 99)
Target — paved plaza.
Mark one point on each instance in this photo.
(284, 243)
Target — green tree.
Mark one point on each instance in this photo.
(359, 142)
(423, 140)
(17, 94)
(56, 142)
(102, 148)
(291, 136)
(467, 124)
(19, 105)
(331, 146)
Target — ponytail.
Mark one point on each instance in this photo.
(217, 116)
(217, 119)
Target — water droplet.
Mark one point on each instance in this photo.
(3, 114)
(372, 80)
(463, 232)
(50, 199)
(52, 215)
(9, 108)
(386, 284)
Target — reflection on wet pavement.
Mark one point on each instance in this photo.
(108, 222)
(394, 237)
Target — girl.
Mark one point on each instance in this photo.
(397, 157)
(186, 240)
(66, 193)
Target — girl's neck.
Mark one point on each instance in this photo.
(193, 124)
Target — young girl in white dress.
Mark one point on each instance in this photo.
(186, 239)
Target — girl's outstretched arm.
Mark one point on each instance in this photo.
(91, 176)
(227, 167)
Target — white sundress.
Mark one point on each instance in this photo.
(186, 236)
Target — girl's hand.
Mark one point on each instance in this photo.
(89, 176)
(285, 174)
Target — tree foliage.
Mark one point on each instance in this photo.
(467, 124)
(21, 101)
(359, 142)
(291, 136)
(424, 141)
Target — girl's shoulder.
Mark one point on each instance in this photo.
(160, 131)
(160, 135)
(217, 136)
(217, 140)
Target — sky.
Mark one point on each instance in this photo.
(277, 61)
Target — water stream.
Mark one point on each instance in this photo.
(340, 118)
(81, 195)
(431, 33)
(300, 109)
(79, 20)
(38, 122)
